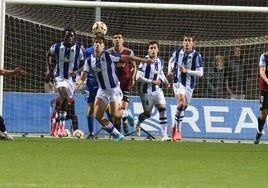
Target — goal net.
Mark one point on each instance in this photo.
(31, 27)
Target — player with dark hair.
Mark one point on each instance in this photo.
(91, 90)
(69, 61)
(185, 65)
(126, 73)
(150, 78)
(5, 72)
(109, 93)
(263, 100)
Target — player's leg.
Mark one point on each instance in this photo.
(54, 123)
(160, 102)
(125, 103)
(183, 96)
(179, 115)
(3, 132)
(90, 120)
(92, 93)
(118, 112)
(263, 103)
(72, 115)
(64, 100)
(100, 106)
(66, 90)
(147, 104)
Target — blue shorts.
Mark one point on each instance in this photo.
(91, 95)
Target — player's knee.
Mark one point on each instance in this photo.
(163, 109)
(147, 114)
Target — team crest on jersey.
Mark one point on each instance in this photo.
(156, 68)
(97, 67)
(141, 65)
(66, 59)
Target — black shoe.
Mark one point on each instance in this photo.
(125, 127)
(257, 138)
(90, 136)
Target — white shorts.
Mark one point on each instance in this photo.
(178, 89)
(110, 95)
(149, 100)
(61, 82)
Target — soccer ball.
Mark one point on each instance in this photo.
(78, 133)
(66, 133)
(99, 27)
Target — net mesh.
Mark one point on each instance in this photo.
(31, 29)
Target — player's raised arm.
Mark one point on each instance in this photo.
(137, 59)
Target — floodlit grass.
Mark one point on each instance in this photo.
(46, 162)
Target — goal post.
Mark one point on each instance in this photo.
(29, 27)
(2, 44)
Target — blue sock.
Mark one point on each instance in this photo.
(91, 123)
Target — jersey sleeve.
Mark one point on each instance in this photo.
(262, 62)
(52, 49)
(172, 61)
(131, 54)
(140, 73)
(86, 67)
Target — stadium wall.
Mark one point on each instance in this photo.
(204, 118)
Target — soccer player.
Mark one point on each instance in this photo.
(263, 100)
(126, 73)
(109, 92)
(69, 61)
(91, 89)
(5, 72)
(185, 65)
(150, 78)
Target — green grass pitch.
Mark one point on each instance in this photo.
(49, 162)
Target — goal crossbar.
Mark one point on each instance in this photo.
(142, 5)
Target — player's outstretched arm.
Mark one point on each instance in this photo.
(14, 72)
(137, 59)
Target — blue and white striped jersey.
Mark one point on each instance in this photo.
(148, 72)
(193, 61)
(104, 69)
(67, 59)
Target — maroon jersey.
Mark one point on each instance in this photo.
(123, 68)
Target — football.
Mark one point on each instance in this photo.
(66, 133)
(99, 27)
(78, 133)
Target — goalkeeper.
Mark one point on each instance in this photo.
(5, 72)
